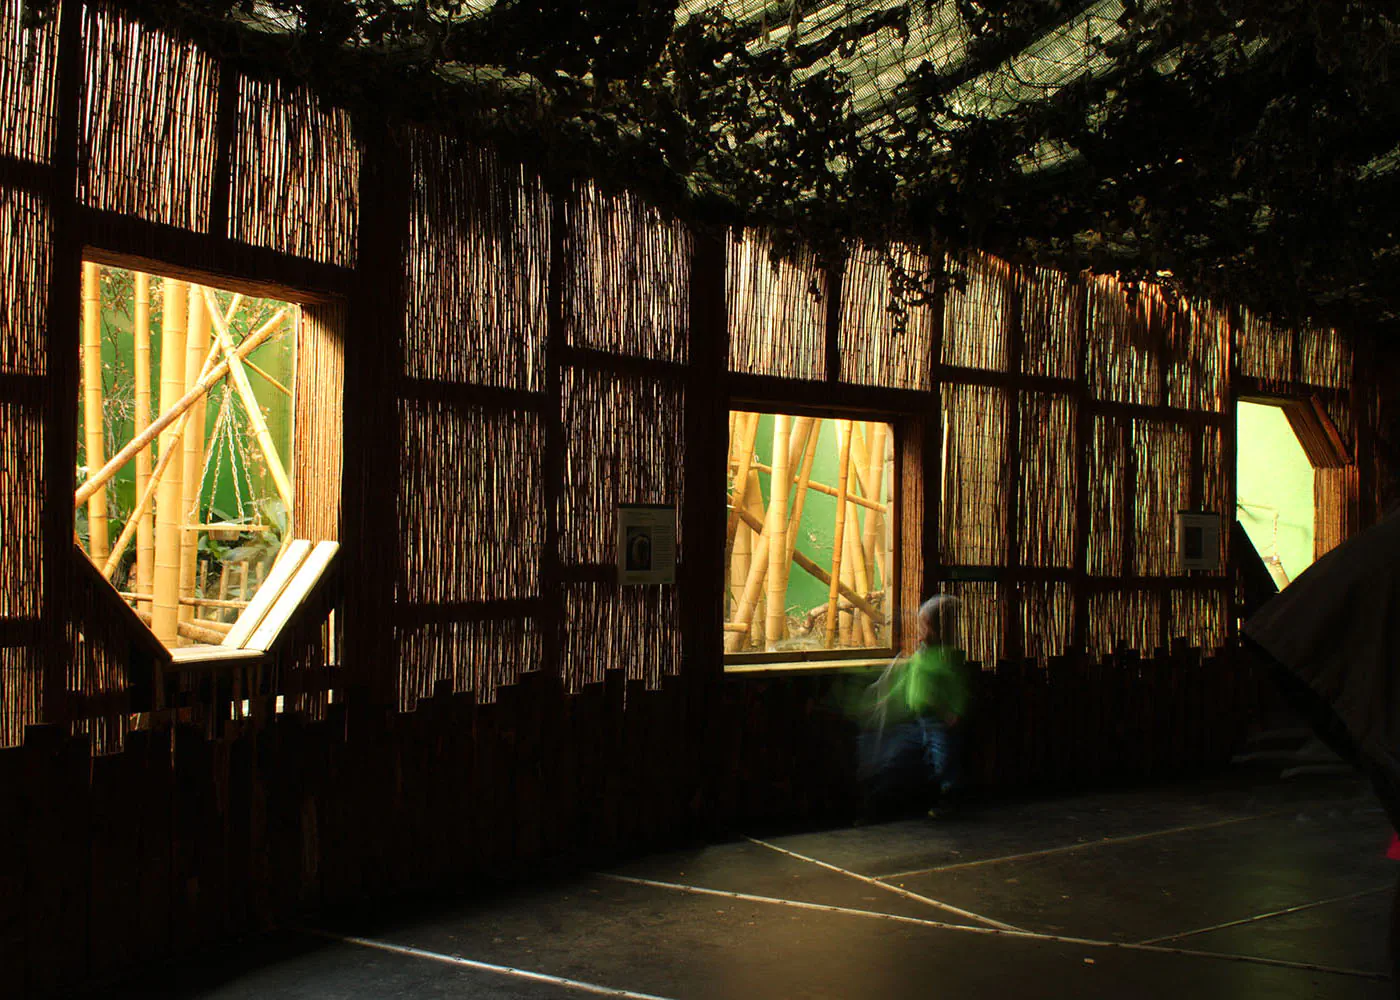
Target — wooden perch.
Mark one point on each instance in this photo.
(96, 481)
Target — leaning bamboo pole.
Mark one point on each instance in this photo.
(250, 404)
(743, 550)
(140, 514)
(92, 405)
(776, 532)
(196, 349)
(145, 526)
(804, 478)
(804, 562)
(169, 416)
(843, 433)
(748, 437)
(855, 555)
(165, 590)
(753, 588)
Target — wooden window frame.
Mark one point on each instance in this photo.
(747, 662)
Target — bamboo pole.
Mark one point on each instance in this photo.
(742, 553)
(753, 587)
(192, 443)
(188, 630)
(169, 416)
(165, 591)
(250, 404)
(874, 490)
(92, 406)
(855, 555)
(804, 478)
(267, 378)
(243, 581)
(778, 487)
(848, 579)
(139, 515)
(843, 433)
(830, 491)
(204, 602)
(747, 438)
(804, 562)
(223, 592)
(145, 525)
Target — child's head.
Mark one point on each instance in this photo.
(938, 620)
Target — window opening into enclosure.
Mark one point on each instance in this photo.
(809, 546)
(1275, 490)
(185, 446)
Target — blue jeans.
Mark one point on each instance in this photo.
(923, 754)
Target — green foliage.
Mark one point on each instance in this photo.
(1235, 147)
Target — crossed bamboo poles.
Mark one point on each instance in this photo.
(761, 543)
(195, 333)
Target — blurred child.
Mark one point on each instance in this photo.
(913, 732)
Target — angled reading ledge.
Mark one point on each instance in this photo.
(294, 578)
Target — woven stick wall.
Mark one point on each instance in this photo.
(546, 371)
(148, 102)
(296, 174)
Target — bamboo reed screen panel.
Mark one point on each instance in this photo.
(28, 79)
(1047, 617)
(981, 620)
(1163, 487)
(1265, 351)
(1216, 477)
(21, 692)
(976, 317)
(975, 477)
(1052, 308)
(1130, 618)
(295, 174)
(21, 498)
(1336, 493)
(478, 656)
(318, 423)
(777, 311)
(477, 268)
(627, 277)
(885, 337)
(1196, 338)
(1107, 486)
(1049, 479)
(470, 505)
(26, 232)
(1324, 358)
(1121, 358)
(98, 659)
(1198, 616)
(149, 105)
(633, 629)
(624, 445)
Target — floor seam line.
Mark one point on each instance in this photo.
(471, 963)
(1270, 915)
(897, 890)
(1017, 933)
(1066, 848)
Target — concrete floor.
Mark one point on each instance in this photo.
(1240, 886)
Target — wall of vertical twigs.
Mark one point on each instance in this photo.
(490, 362)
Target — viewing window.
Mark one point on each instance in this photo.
(186, 445)
(810, 537)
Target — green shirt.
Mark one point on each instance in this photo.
(933, 683)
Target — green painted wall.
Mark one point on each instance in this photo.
(1275, 481)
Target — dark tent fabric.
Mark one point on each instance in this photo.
(1335, 632)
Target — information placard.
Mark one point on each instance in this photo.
(1197, 541)
(646, 544)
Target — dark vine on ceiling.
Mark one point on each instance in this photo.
(1238, 149)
